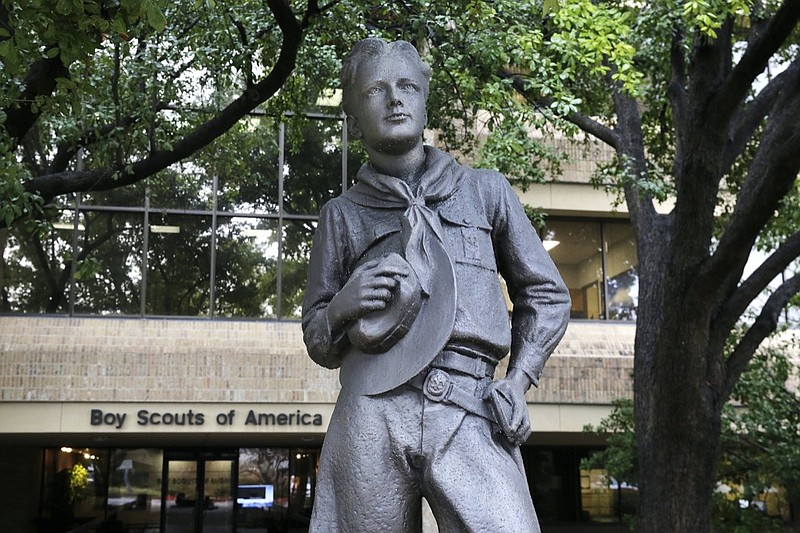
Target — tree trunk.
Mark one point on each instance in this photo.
(677, 409)
(677, 460)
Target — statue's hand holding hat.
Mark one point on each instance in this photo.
(378, 331)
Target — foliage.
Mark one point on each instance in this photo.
(138, 85)
(78, 482)
(699, 102)
(761, 445)
(731, 517)
(760, 453)
(619, 457)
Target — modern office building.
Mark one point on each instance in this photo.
(153, 375)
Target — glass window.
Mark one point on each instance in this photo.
(182, 186)
(296, 249)
(108, 270)
(250, 183)
(599, 265)
(621, 271)
(246, 267)
(128, 196)
(276, 489)
(312, 165)
(605, 500)
(356, 157)
(576, 250)
(302, 485)
(35, 266)
(74, 488)
(179, 265)
(263, 491)
(134, 488)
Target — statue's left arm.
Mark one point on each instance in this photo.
(541, 302)
(540, 311)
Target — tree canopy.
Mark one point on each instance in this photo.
(699, 100)
(760, 453)
(139, 85)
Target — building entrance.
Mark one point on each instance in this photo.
(199, 492)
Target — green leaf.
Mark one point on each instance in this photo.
(549, 6)
(63, 7)
(155, 17)
(66, 83)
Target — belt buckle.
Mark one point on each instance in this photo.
(437, 385)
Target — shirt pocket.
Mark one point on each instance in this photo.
(378, 238)
(469, 236)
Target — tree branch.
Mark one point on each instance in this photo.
(67, 150)
(755, 59)
(771, 175)
(676, 90)
(52, 185)
(630, 150)
(242, 31)
(709, 66)
(730, 311)
(40, 80)
(747, 120)
(765, 325)
(588, 125)
(49, 275)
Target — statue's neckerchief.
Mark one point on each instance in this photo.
(421, 226)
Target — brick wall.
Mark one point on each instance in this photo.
(112, 359)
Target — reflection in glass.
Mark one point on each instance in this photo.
(128, 196)
(246, 261)
(575, 249)
(108, 271)
(302, 485)
(262, 495)
(605, 500)
(134, 488)
(218, 496)
(180, 510)
(74, 488)
(185, 186)
(553, 483)
(276, 489)
(356, 157)
(621, 273)
(296, 249)
(179, 265)
(313, 165)
(164, 268)
(249, 182)
(35, 266)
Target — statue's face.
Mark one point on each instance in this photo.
(389, 112)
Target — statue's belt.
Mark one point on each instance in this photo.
(437, 384)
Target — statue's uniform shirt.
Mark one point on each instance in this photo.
(383, 452)
(486, 232)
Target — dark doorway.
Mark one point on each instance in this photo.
(199, 492)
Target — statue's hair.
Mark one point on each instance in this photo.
(373, 47)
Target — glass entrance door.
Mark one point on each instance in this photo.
(198, 494)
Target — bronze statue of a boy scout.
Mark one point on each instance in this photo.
(404, 297)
